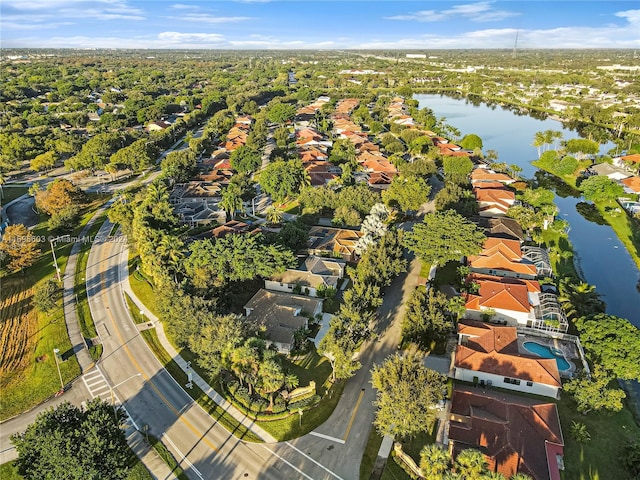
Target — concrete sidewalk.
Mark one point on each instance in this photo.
(182, 363)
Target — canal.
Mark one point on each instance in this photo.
(600, 256)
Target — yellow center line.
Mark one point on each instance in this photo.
(353, 416)
(188, 424)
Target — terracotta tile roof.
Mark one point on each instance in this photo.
(500, 227)
(487, 338)
(451, 153)
(484, 174)
(309, 133)
(380, 165)
(501, 293)
(380, 178)
(501, 254)
(515, 434)
(635, 158)
(633, 183)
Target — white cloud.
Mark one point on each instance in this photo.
(203, 38)
(208, 18)
(182, 6)
(476, 12)
(45, 11)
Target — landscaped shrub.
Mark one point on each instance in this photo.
(310, 401)
(567, 166)
(279, 406)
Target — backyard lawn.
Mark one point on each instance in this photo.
(597, 459)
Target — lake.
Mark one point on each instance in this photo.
(600, 256)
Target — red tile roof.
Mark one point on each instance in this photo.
(633, 183)
(484, 174)
(635, 158)
(501, 293)
(515, 434)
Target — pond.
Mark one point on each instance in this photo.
(600, 256)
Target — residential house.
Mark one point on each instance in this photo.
(281, 315)
(631, 185)
(334, 242)
(512, 301)
(515, 434)
(158, 126)
(613, 172)
(316, 273)
(503, 227)
(630, 163)
(493, 201)
(503, 258)
(489, 355)
(480, 175)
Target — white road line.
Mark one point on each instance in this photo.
(327, 437)
(290, 464)
(314, 461)
(184, 459)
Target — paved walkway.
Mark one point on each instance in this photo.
(182, 363)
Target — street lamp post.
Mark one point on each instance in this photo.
(56, 351)
(55, 261)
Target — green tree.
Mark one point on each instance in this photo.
(595, 393)
(470, 463)
(231, 200)
(427, 321)
(579, 299)
(457, 169)
(471, 141)
(630, 456)
(339, 349)
(612, 342)
(179, 165)
(434, 461)
(582, 147)
(20, 246)
(443, 237)
(579, 432)
(281, 179)
(59, 194)
(44, 161)
(216, 339)
(406, 391)
(274, 215)
(73, 443)
(281, 113)
(600, 188)
(245, 159)
(407, 193)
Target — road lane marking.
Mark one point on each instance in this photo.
(136, 365)
(353, 416)
(314, 461)
(185, 459)
(285, 461)
(178, 414)
(327, 437)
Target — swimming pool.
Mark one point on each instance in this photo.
(545, 352)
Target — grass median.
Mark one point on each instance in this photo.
(82, 304)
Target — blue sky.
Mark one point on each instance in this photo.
(297, 24)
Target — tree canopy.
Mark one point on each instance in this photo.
(599, 188)
(612, 342)
(75, 444)
(406, 391)
(20, 246)
(281, 179)
(444, 236)
(471, 141)
(407, 193)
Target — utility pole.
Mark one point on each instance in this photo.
(56, 351)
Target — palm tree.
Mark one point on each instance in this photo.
(274, 215)
(170, 250)
(579, 432)
(434, 461)
(539, 141)
(2, 182)
(579, 299)
(291, 381)
(231, 200)
(271, 376)
(520, 476)
(470, 463)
